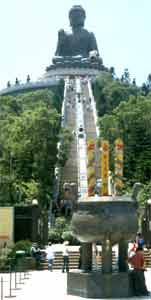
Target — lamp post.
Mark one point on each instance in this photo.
(34, 202)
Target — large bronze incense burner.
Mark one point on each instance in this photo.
(108, 221)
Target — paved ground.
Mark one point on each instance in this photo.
(44, 285)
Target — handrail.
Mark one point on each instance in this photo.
(81, 142)
(57, 171)
(93, 103)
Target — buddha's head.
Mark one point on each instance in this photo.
(77, 16)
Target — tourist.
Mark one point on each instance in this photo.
(36, 254)
(50, 254)
(137, 274)
(139, 240)
(80, 257)
(65, 254)
(132, 249)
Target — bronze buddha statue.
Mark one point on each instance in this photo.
(80, 42)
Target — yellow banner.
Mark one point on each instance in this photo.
(6, 225)
(91, 167)
(119, 157)
(104, 167)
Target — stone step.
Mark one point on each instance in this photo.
(73, 261)
(97, 261)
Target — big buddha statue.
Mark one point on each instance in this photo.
(80, 42)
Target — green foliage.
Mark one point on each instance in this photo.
(4, 265)
(145, 194)
(146, 87)
(125, 76)
(125, 112)
(109, 92)
(65, 141)
(4, 254)
(24, 245)
(29, 132)
(61, 223)
(54, 236)
(61, 231)
(58, 95)
(67, 236)
(131, 121)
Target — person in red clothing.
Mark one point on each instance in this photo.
(132, 249)
(137, 274)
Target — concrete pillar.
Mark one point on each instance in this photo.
(106, 256)
(86, 257)
(122, 257)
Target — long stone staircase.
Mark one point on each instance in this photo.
(74, 260)
(70, 171)
(97, 260)
(90, 128)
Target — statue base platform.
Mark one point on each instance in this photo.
(66, 72)
(99, 285)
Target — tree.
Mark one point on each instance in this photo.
(112, 71)
(29, 133)
(109, 93)
(125, 78)
(145, 193)
(149, 81)
(66, 138)
(144, 89)
(131, 121)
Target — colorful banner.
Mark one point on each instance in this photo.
(91, 167)
(104, 167)
(6, 225)
(119, 157)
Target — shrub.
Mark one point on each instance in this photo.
(24, 245)
(61, 224)
(67, 236)
(4, 264)
(54, 236)
(55, 233)
(61, 232)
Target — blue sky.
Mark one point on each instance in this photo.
(28, 33)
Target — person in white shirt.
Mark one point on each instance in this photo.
(50, 256)
(65, 254)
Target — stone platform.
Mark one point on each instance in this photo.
(66, 72)
(97, 285)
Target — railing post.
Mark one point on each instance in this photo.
(10, 284)
(2, 294)
(16, 288)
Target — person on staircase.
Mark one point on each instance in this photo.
(50, 254)
(65, 254)
(36, 254)
(80, 257)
